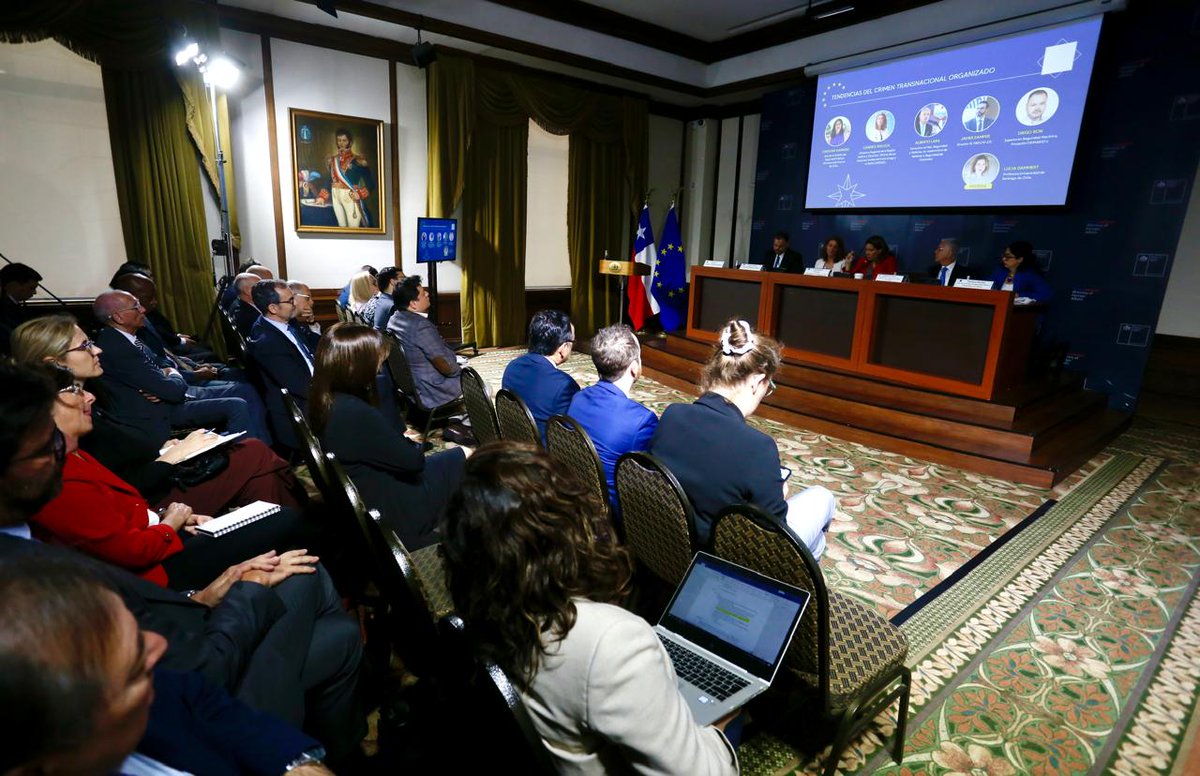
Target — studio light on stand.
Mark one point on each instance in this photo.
(221, 71)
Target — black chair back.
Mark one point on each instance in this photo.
(406, 387)
(494, 704)
(515, 419)
(310, 449)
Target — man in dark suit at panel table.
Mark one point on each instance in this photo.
(781, 257)
(946, 268)
(143, 390)
(271, 630)
(283, 353)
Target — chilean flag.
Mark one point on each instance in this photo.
(642, 303)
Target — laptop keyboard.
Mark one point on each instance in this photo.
(702, 672)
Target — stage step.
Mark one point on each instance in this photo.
(1037, 434)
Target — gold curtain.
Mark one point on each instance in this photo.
(158, 191)
(494, 197)
(155, 146)
(608, 160)
(200, 129)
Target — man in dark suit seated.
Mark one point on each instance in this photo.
(18, 282)
(159, 335)
(781, 258)
(144, 287)
(270, 630)
(535, 376)
(84, 705)
(242, 309)
(616, 423)
(141, 388)
(283, 353)
(945, 268)
(250, 267)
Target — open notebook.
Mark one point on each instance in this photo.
(219, 526)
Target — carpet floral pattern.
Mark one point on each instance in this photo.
(1074, 648)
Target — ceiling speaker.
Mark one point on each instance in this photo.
(423, 54)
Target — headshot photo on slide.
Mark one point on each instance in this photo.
(837, 131)
(980, 170)
(930, 119)
(980, 113)
(1037, 106)
(880, 126)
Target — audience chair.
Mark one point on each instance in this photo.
(235, 344)
(480, 408)
(310, 449)
(414, 590)
(343, 313)
(572, 449)
(406, 388)
(422, 568)
(515, 419)
(494, 707)
(660, 527)
(851, 657)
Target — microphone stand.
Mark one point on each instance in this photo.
(53, 295)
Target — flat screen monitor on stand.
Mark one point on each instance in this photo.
(437, 240)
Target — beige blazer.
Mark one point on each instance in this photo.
(605, 701)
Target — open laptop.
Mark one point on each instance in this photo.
(727, 629)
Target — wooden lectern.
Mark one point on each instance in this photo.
(622, 269)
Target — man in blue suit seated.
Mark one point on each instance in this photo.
(616, 423)
(149, 391)
(283, 353)
(79, 691)
(535, 376)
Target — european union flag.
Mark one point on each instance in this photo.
(670, 276)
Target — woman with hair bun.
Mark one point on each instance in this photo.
(719, 459)
(533, 571)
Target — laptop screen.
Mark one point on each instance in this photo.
(736, 613)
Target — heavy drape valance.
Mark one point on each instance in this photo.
(478, 153)
(160, 127)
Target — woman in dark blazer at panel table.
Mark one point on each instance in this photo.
(876, 259)
(1020, 274)
(391, 472)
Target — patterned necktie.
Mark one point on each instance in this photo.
(942, 276)
(304, 351)
(147, 352)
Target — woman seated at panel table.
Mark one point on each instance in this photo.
(251, 473)
(834, 257)
(101, 515)
(391, 472)
(1021, 275)
(536, 576)
(719, 459)
(876, 259)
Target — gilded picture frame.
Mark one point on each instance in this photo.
(346, 197)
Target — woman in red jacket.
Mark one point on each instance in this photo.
(876, 259)
(101, 515)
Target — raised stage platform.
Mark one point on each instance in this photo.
(1036, 434)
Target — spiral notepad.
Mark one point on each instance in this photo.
(246, 515)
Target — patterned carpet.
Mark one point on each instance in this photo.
(1073, 648)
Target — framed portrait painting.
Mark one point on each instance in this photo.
(337, 173)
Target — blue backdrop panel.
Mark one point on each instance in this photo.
(1107, 254)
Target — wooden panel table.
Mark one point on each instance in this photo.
(961, 341)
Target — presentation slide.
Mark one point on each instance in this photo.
(437, 239)
(985, 125)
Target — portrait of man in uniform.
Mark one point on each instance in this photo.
(336, 163)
